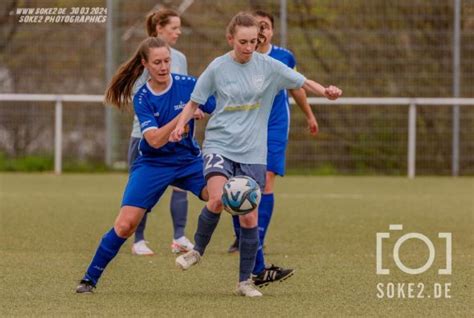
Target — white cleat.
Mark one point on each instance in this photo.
(187, 260)
(247, 289)
(181, 245)
(140, 248)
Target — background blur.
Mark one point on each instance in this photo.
(370, 48)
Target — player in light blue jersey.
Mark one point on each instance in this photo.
(161, 163)
(244, 84)
(166, 24)
(278, 128)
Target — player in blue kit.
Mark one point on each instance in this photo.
(244, 84)
(166, 24)
(278, 128)
(157, 105)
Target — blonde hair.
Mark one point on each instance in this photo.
(119, 91)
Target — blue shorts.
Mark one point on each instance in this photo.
(217, 164)
(148, 181)
(276, 157)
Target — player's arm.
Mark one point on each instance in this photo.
(158, 137)
(208, 108)
(299, 95)
(331, 92)
(183, 119)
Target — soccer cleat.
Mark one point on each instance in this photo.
(85, 287)
(234, 247)
(181, 245)
(247, 289)
(141, 248)
(272, 274)
(187, 260)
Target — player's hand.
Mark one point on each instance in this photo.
(176, 135)
(332, 92)
(198, 114)
(312, 125)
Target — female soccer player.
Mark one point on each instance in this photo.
(278, 127)
(166, 24)
(161, 163)
(244, 84)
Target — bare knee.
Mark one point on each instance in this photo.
(215, 204)
(249, 220)
(124, 228)
(269, 182)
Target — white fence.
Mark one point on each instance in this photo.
(411, 103)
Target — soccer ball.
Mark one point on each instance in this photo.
(241, 195)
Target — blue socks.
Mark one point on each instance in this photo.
(265, 211)
(140, 232)
(179, 212)
(236, 223)
(108, 248)
(206, 225)
(248, 246)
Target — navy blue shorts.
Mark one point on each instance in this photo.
(148, 181)
(276, 157)
(217, 164)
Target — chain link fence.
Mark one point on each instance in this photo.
(370, 48)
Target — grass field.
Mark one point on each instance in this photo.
(324, 227)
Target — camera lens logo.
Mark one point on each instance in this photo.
(401, 240)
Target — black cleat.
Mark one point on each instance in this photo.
(272, 274)
(85, 287)
(234, 247)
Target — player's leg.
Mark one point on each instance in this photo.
(249, 242)
(139, 246)
(248, 246)
(145, 186)
(207, 222)
(234, 247)
(265, 208)
(216, 173)
(266, 274)
(124, 226)
(179, 214)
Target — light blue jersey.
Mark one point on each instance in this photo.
(244, 95)
(179, 65)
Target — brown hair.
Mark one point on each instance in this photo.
(243, 19)
(160, 17)
(119, 91)
(264, 14)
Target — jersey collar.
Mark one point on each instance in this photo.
(163, 92)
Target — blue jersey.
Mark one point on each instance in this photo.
(279, 121)
(155, 110)
(179, 65)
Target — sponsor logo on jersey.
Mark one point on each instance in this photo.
(241, 107)
(145, 123)
(179, 106)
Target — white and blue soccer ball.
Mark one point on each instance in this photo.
(241, 195)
